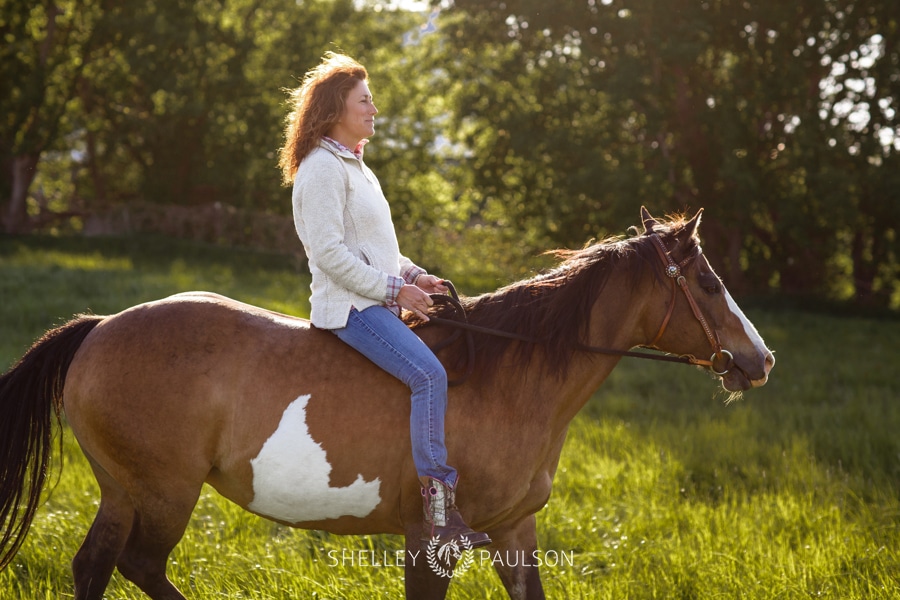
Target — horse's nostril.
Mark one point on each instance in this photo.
(770, 362)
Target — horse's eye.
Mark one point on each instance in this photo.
(710, 283)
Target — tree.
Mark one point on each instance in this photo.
(46, 49)
(590, 108)
(175, 101)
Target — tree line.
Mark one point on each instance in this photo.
(506, 127)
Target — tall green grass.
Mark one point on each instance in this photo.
(663, 491)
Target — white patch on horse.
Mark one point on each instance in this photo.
(749, 328)
(291, 476)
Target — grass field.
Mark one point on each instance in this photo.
(664, 491)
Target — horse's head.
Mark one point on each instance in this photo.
(699, 317)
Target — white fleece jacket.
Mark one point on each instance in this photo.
(344, 222)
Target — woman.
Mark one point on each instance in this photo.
(360, 281)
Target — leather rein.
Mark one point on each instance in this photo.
(672, 271)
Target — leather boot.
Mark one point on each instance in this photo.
(442, 518)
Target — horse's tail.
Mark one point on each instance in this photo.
(30, 400)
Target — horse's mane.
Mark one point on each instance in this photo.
(553, 308)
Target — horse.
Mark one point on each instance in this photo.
(287, 422)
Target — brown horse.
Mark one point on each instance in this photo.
(287, 422)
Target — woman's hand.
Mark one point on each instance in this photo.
(431, 284)
(414, 299)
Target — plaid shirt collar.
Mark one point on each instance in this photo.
(358, 152)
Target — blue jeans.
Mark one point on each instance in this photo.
(387, 341)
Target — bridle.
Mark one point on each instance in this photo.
(672, 271)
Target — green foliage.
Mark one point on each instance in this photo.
(174, 101)
(663, 491)
(198, 92)
(45, 48)
(41, 58)
(779, 118)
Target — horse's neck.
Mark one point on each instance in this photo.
(616, 323)
(516, 419)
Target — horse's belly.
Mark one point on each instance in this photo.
(291, 477)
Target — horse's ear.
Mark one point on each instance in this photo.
(649, 222)
(690, 228)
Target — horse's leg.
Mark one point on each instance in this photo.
(422, 583)
(163, 512)
(517, 547)
(95, 561)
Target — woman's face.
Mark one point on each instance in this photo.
(358, 119)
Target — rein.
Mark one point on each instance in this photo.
(672, 270)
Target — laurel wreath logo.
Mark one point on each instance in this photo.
(439, 555)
